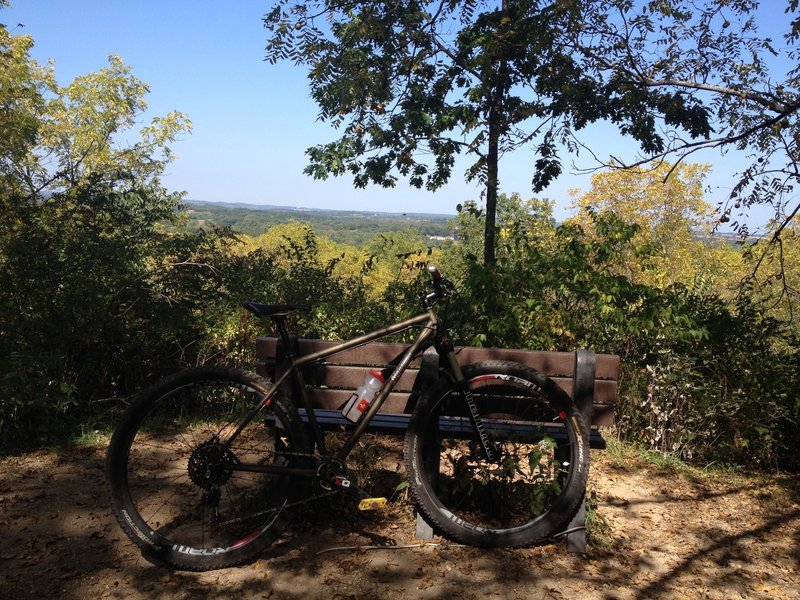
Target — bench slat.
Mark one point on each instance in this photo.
(398, 403)
(372, 354)
(351, 377)
(329, 399)
(330, 387)
(396, 424)
(552, 364)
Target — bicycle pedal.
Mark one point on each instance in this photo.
(372, 503)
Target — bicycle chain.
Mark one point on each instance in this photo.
(280, 508)
(312, 498)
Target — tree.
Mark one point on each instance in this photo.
(711, 62)
(773, 273)
(534, 216)
(673, 243)
(23, 86)
(413, 84)
(74, 131)
(93, 292)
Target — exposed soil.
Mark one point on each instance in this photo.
(681, 534)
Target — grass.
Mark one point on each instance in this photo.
(91, 437)
(600, 533)
(634, 456)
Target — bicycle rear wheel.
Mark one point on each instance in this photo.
(176, 468)
(533, 487)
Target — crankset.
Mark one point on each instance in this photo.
(332, 474)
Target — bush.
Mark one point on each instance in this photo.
(728, 395)
(705, 378)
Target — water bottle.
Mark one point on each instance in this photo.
(359, 402)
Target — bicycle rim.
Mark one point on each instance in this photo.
(532, 487)
(176, 469)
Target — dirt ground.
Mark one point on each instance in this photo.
(668, 534)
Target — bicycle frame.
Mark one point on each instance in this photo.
(429, 322)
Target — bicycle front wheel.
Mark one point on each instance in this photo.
(534, 483)
(188, 468)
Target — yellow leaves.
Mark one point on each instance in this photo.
(24, 88)
(668, 205)
(388, 259)
(775, 269)
(75, 130)
(163, 130)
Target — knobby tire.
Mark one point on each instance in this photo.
(535, 485)
(173, 477)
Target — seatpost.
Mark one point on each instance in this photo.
(283, 332)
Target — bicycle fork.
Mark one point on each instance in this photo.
(445, 347)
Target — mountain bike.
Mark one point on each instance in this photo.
(208, 466)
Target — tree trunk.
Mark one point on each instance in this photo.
(492, 183)
(497, 97)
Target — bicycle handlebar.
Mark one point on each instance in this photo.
(441, 286)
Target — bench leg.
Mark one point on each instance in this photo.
(583, 395)
(576, 541)
(424, 531)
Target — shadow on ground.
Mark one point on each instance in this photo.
(672, 536)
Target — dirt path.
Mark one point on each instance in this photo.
(672, 535)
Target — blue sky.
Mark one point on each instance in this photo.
(252, 121)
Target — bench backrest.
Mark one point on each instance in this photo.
(331, 383)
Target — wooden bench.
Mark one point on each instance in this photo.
(591, 380)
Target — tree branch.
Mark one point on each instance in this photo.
(706, 87)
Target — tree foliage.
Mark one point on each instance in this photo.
(411, 85)
(773, 271)
(706, 376)
(673, 243)
(86, 306)
(352, 227)
(710, 67)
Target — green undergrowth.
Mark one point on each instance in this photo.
(631, 456)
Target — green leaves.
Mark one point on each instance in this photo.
(707, 376)
(56, 138)
(709, 72)
(92, 292)
(414, 85)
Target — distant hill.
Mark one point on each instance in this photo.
(354, 227)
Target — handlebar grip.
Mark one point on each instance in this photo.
(436, 275)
